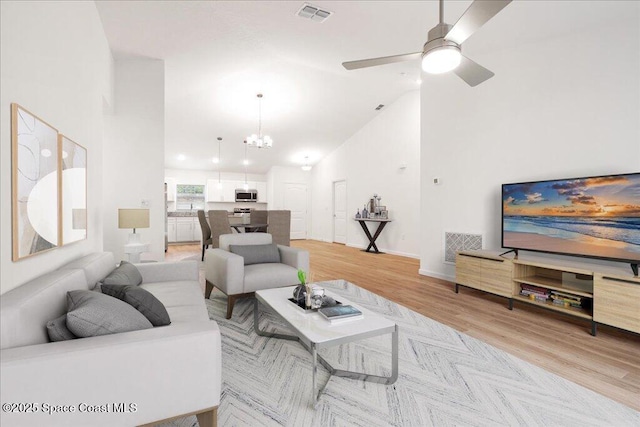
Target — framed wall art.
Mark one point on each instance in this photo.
(35, 186)
(73, 185)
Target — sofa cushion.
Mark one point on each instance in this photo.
(257, 254)
(267, 276)
(96, 266)
(142, 300)
(244, 239)
(91, 314)
(184, 300)
(125, 274)
(58, 331)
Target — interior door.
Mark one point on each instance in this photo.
(340, 212)
(295, 200)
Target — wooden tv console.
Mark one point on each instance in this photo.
(609, 295)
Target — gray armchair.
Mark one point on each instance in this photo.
(240, 277)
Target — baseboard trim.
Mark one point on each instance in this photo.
(387, 251)
(429, 273)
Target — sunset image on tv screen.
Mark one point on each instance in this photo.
(595, 217)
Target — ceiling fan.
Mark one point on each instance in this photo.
(442, 51)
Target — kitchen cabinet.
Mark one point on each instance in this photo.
(171, 230)
(225, 194)
(183, 229)
(262, 192)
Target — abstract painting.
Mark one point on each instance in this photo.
(73, 208)
(35, 184)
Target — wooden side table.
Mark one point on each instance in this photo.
(372, 239)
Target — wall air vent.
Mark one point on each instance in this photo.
(454, 242)
(313, 12)
(379, 107)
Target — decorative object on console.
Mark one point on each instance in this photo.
(36, 191)
(259, 140)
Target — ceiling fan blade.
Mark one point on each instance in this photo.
(471, 72)
(363, 63)
(473, 18)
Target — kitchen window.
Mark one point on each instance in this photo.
(189, 197)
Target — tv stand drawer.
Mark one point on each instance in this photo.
(616, 301)
(487, 273)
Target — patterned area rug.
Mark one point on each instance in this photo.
(446, 378)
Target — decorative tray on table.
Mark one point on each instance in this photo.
(306, 310)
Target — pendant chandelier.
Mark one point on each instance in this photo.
(259, 140)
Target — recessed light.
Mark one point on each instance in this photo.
(245, 162)
(215, 160)
(64, 155)
(181, 157)
(419, 81)
(45, 152)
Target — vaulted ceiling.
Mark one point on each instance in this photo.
(219, 55)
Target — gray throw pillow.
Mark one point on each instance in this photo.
(125, 274)
(58, 331)
(142, 300)
(257, 254)
(91, 314)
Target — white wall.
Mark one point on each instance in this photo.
(56, 63)
(561, 108)
(370, 161)
(200, 177)
(134, 154)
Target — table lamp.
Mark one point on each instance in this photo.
(133, 218)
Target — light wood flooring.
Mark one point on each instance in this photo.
(608, 363)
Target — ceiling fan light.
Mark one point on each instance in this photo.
(441, 59)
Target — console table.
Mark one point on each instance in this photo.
(372, 239)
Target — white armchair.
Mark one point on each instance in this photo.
(227, 271)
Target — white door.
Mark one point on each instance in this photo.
(295, 200)
(340, 212)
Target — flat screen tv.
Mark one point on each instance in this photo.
(597, 217)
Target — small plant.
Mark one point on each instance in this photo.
(302, 276)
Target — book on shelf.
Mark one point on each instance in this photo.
(568, 296)
(532, 288)
(340, 312)
(528, 292)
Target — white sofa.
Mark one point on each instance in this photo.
(125, 379)
(227, 271)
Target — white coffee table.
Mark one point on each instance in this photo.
(315, 332)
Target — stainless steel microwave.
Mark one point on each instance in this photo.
(246, 195)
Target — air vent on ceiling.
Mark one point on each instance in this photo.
(314, 13)
(380, 107)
